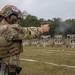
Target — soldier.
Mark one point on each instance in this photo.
(11, 36)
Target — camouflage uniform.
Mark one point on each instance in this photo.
(11, 33)
(11, 37)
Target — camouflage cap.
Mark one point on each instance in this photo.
(10, 9)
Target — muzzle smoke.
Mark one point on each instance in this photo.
(62, 27)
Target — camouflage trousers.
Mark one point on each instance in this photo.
(7, 62)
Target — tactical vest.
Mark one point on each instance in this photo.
(10, 48)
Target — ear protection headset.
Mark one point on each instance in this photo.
(12, 19)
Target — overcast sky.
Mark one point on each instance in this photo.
(46, 9)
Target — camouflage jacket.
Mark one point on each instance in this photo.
(15, 32)
(11, 37)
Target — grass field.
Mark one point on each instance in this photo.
(47, 61)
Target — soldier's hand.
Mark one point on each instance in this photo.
(45, 28)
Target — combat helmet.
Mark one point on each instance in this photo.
(10, 9)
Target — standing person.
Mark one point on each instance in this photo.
(11, 36)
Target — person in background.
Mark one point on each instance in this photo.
(11, 36)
